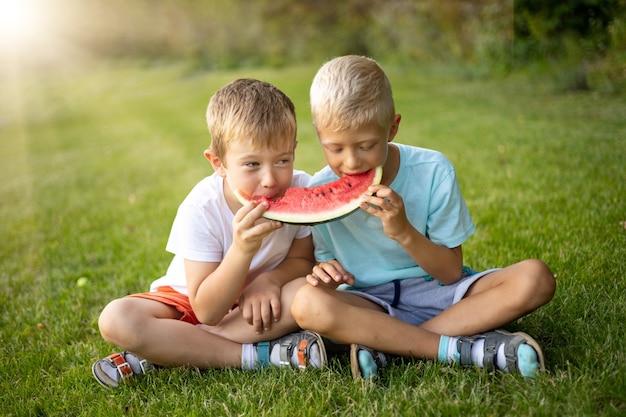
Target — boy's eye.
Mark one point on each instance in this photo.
(251, 164)
(284, 161)
(365, 148)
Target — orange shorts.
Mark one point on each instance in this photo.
(168, 296)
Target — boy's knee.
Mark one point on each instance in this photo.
(114, 320)
(307, 307)
(542, 279)
(300, 304)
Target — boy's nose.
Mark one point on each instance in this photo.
(268, 178)
(351, 162)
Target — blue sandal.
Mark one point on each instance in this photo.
(365, 362)
(523, 353)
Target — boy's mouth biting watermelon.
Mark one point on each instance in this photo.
(322, 203)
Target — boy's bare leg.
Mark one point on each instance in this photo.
(152, 330)
(496, 300)
(493, 301)
(348, 318)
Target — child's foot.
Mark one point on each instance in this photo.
(498, 349)
(365, 362)
(115, 368)
(304, 349)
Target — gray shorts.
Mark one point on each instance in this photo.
(416, 300)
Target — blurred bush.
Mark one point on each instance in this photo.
(585, 36)
(582, 42)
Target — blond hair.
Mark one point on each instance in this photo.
(349, 92)
(253, 111)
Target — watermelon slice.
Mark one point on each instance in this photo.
(321, 203)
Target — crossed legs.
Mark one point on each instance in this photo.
(491, 302)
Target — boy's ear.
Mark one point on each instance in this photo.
(216, 163)
(393, 130)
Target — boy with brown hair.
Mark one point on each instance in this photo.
(225, 299)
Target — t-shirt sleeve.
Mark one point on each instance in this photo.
(322, 253)
(193, 237)
(449, 221)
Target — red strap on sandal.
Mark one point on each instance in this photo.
(122, 366)
(302, 356)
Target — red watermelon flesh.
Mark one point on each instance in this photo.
(322, 203)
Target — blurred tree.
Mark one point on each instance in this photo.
(542, 27)
(585, 37)
(482, 34)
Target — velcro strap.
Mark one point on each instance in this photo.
(263, 354)
(490, 350)
(285, 353)
(122, 366)
(464, 347)
(302, 353)
(145, 366)
(510, 351)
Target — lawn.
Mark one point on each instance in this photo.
(93, 164)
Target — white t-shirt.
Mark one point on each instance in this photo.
(202, 231)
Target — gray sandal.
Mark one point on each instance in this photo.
(300, 341)
(493, 340)
(118, 369)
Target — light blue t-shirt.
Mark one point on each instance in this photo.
(434, 205)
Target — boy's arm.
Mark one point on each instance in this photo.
(214, 286)
(442, 263)
(260, 301)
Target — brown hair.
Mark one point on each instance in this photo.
(250, 110)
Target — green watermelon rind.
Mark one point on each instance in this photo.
(308, 218)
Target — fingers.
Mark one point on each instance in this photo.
(312, 279)
(381, 198)
(260, 315)
(249, 228)
(329, 273)
(250, 214)
(388, 206)
(385, 204)
(245, 210)
(275, 312)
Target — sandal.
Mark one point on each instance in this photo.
(365, 362)
(113, 369)
(302, 341)
(512, 342)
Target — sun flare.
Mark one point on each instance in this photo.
(21, 20)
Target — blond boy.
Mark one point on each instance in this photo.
(404, 289)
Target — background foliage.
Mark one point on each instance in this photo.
(582, 43)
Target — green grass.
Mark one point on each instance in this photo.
(93, 165)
